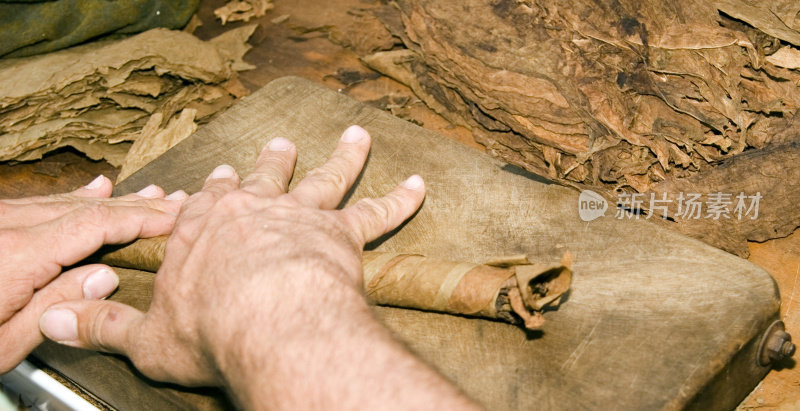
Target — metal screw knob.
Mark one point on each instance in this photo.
(787, 349)
(776, 344)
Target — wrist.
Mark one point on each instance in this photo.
(256, 348)
(328, 354)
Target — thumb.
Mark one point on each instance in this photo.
(118, 328)
(97, 325)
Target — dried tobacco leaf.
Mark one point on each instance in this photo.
(621, 96)
(243, 10)
(777, 18)
(154, 140)
(98, 97)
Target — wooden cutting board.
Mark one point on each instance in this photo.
(655, 320)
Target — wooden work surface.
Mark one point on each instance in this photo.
(280, 49)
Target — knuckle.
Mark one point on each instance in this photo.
(267, 177)
(347, 156)
(275, 161)
(64, 206)
(377, 213)
(199, 203)
(329, 175)
(62, 293)
(143, 343)
(198, 198)
(276, 181)
(96, 325)
(96, 211)
(216, 188)
(147, 363)
(91, 214)
(18, 291)
(183, 234)
(235, 200)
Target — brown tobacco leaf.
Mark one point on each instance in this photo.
(243, 10)
(363, 33)
(98, 97)
(615, 95)
(154, 140)
(770, 174)
(232, 46)
(777, 18)
(787, 57)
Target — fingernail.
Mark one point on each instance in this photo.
(354, 134)
(150, 191)
(414, 182)
(96, 183)
(223, 171)
(179, 195)
(100, 284)
(279, 144)
(59, 324)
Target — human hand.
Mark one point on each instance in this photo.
(261, 291)
(247, 247)
(40, 235)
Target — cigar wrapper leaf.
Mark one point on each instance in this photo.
(511, 289)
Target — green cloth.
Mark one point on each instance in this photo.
(30, 27)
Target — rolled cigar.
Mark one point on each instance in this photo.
(511, 289)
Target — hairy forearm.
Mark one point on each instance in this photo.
(336, 357)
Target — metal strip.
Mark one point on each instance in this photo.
(42, 390)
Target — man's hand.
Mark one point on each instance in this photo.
(40, 235)
(261, 291)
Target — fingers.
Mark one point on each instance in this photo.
(90, 282)
(100, 187)
(28, 212)
(273, 169)
(151, 191)
(118, 328)
(179, 195)
(221, 181)
(47, 247)
(325, 186)
(97, 325)
(372, 218)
